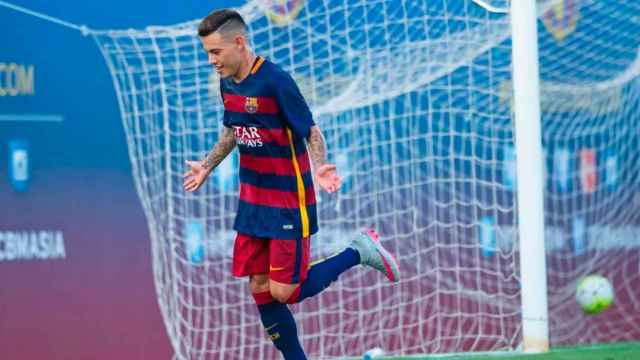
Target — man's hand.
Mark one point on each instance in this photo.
(200, 170)
(324, 174)
(195, 177)
(327, 178)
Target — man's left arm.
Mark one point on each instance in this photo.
(317, 147)
(325, 174)
(300, 120)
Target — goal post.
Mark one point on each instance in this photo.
(530, 170)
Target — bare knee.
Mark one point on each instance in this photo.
(281, 292)
(259, 283)
(281, 295)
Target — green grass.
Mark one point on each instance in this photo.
(624, 351)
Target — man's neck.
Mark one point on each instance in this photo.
(245, 68)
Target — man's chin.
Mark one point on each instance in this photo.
(225, 74)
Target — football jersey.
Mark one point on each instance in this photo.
(270, 120)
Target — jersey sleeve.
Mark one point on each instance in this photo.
(292, 105)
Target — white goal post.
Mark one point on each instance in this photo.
(529, 174)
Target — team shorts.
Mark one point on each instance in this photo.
(285, 260)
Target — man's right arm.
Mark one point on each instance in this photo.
(223, 147)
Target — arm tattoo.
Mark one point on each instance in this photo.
(317, 147)
(225, 145)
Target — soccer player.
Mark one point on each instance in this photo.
(269, 121)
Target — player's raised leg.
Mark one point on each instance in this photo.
(364, 249)
(373, 254)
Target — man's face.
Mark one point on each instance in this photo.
(224, 52)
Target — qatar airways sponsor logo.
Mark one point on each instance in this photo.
(32, 245)
(247, 136)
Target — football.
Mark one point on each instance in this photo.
(594, 294)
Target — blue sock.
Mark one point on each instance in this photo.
(281, 327)
(322, 274)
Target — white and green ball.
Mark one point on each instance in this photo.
(594, 294)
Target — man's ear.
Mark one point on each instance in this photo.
(240, 41)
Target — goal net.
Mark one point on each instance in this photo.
(414, 99)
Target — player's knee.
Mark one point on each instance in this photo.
(280, 294)
(259, 283)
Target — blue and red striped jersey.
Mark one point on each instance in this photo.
(270, 120)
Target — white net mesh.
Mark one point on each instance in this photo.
(590, 61)
(414, 101)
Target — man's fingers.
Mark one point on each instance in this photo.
(334, 184)
(327, 167)
(190, 184)
(330, 187)
(192, 187)
(196, 184)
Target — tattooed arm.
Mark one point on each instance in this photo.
(225, 145)
(317, 147)
(200, 170)
(325, 174)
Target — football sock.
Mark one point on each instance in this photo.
(322, 274)
(280, 325)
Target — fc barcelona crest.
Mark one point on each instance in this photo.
(282, 12)
(561, 20)
(251, 105)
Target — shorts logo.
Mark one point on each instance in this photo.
(251, 105)
(561, 20)
(271, 268)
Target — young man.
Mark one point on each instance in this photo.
(269, 120)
